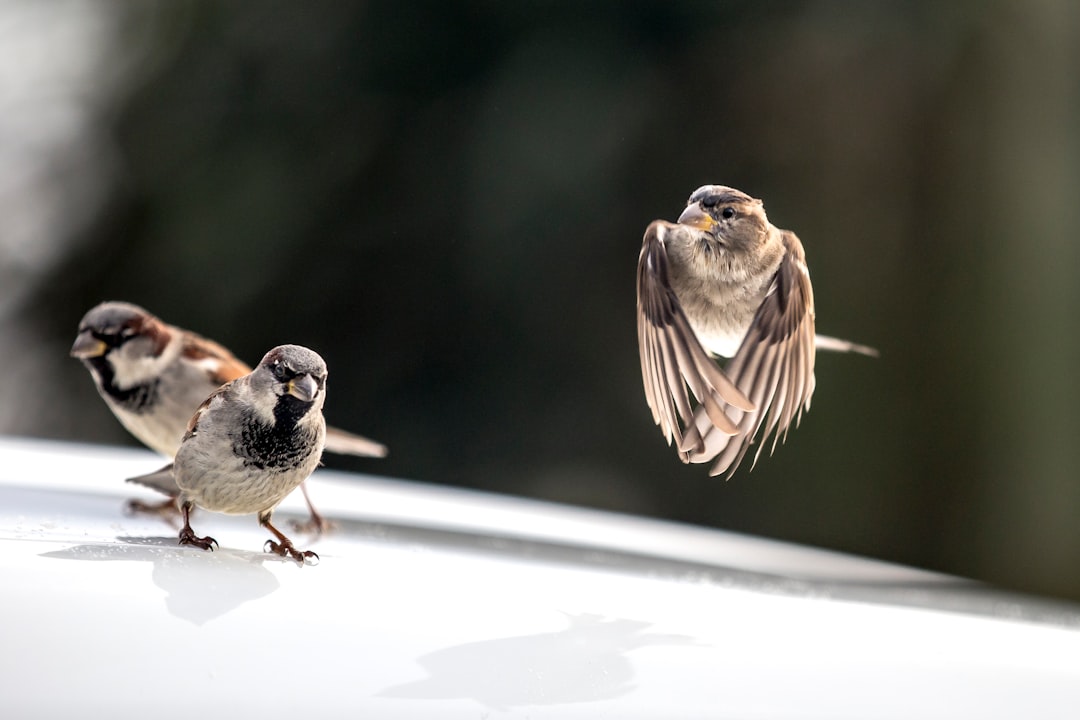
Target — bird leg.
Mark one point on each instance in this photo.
(166, 509)
(316, 524)
(284, 546)
(188, 536)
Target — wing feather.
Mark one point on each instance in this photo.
(774, 365)
(674, 365)
(220, 364)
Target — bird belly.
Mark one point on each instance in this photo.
(232, 486)
(255, 493)
(160, 428)
(719, 312)
(719, 342)
(720, 328)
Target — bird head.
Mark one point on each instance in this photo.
(729, 218)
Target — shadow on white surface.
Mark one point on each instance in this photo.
(587, 661)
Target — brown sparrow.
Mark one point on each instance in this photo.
(153, 375)
(249, 444)
(725, 282)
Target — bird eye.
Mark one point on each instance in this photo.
(728, 213)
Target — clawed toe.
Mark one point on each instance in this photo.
(187, 537)
(283, 546)
(286, 549)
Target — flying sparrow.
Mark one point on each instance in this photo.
(725, 282)
(251, 443)
(153, 376)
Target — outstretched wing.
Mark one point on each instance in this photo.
(774, 367)
(673, 360)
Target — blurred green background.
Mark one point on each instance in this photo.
(446, 200)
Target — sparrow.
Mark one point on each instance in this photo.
(153, 376)
(249, 444)
(724, 282)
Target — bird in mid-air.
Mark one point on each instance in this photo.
(724, 282)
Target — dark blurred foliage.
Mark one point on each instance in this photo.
(447, 199)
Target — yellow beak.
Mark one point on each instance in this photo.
(694, 217)
(303, 388)
(88, 346)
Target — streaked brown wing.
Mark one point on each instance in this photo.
(673, 360)
(774, 366)
(226, 366)
(193, 423)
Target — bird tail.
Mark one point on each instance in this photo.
(825, 342)
(341, 442)
(161, 480)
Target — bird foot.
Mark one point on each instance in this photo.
(286, 549)
(188, 537)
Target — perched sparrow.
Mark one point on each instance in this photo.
(251, 443)
(725, 282)
(153, 376)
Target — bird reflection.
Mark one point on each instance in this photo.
(199, 587)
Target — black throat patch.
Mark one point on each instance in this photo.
(137, 399)
(280, 446)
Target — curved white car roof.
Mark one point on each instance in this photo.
(438, 603)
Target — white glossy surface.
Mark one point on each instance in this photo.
(440, 603)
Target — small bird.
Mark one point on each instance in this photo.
(725, 282)
(153, 376)
(249, 444)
